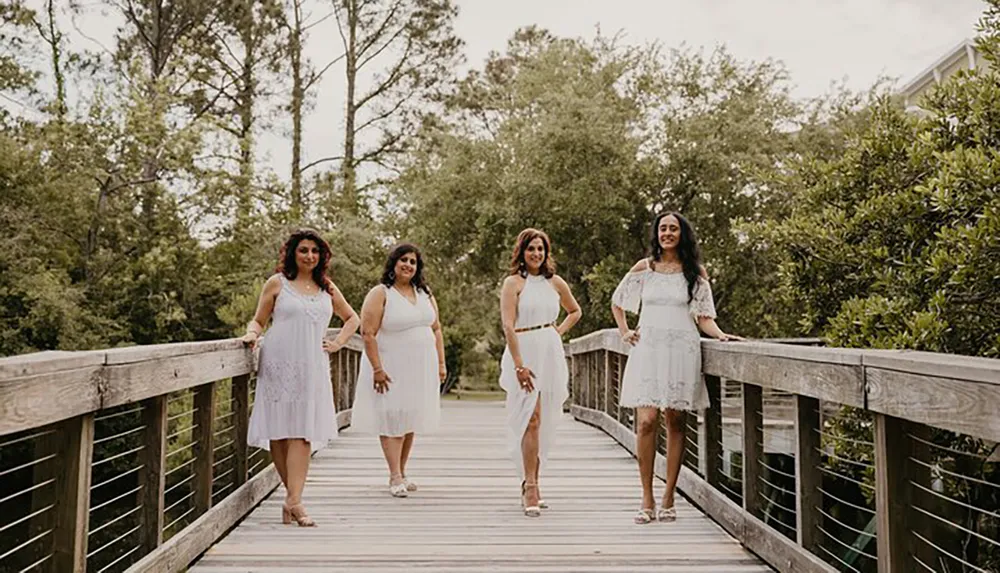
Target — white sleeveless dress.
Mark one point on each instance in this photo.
(542, 352)
(406, 348)
(664, 367)
(294, 396)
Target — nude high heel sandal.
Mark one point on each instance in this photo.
(529, 510)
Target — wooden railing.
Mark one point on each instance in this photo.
(133, 458)
(875, 474)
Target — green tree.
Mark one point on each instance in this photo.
(399, 55)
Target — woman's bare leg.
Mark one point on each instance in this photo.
(529, 454)
(297, 464)
(279, 454)
(404, 454)
(646, 419)
(676, 422)
(392, 449)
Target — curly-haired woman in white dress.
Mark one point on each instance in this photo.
(533, 370)
(293, 412)
(663, 371)
(398, 391)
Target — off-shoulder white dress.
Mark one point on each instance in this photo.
(664, 368)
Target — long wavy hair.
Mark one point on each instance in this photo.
(518, 266)
(389, 272)
(687, 249)
(286, 260)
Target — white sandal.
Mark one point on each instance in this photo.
(397, 490)
(410, 486)
(666, 514)
(644, 516)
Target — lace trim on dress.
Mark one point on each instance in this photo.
(702, 304)
(285, 380)
(628, 293)
(314, 311)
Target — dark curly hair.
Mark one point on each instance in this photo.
(687, 248)
(286, 260)
(517, 264)
(389, 272)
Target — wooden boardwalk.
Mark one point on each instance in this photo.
(466, 515)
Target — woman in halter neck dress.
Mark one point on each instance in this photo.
(533, 370)
(663, 371)
(293, 413)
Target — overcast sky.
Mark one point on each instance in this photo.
(820, 41)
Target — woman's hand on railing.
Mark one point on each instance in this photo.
(331, 346)
(631, 337)
(723, 337)
(250, 339)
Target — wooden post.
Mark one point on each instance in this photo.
(893, 499)
(712, 449)
(607, 383)
(241, 427)
(151, 476)
(807, 475)
(72, 511)
(203, 436)
(753, 447)
(337, 371)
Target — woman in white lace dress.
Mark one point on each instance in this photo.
(398, 391)
(293, 412)
(663, 371)
(533, 370)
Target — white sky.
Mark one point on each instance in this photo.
(820, 42)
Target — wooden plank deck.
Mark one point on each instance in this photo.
(466, 515)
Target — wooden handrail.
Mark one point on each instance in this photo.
(59, 395)
(906, 393)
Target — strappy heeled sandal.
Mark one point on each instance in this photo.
(529, 510)
(399, 489)
(296, 513)
(666, 514)
(644, 516)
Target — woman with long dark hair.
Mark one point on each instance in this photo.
(533, 370)
(398, 392)
(663, 371)
(293, 413)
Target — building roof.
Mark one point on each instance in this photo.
(948, 59)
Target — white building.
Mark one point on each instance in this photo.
(962, 56)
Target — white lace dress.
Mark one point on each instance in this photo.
(664, 367)
(542, 352)
(294, 396)
(406, 350)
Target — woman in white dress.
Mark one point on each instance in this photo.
(533, 370)
(398, 391)
(293, 412)
(663, 371)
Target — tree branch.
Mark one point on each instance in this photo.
(381, 30)
(319, 161)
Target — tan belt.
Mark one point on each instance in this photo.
(530, 328)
